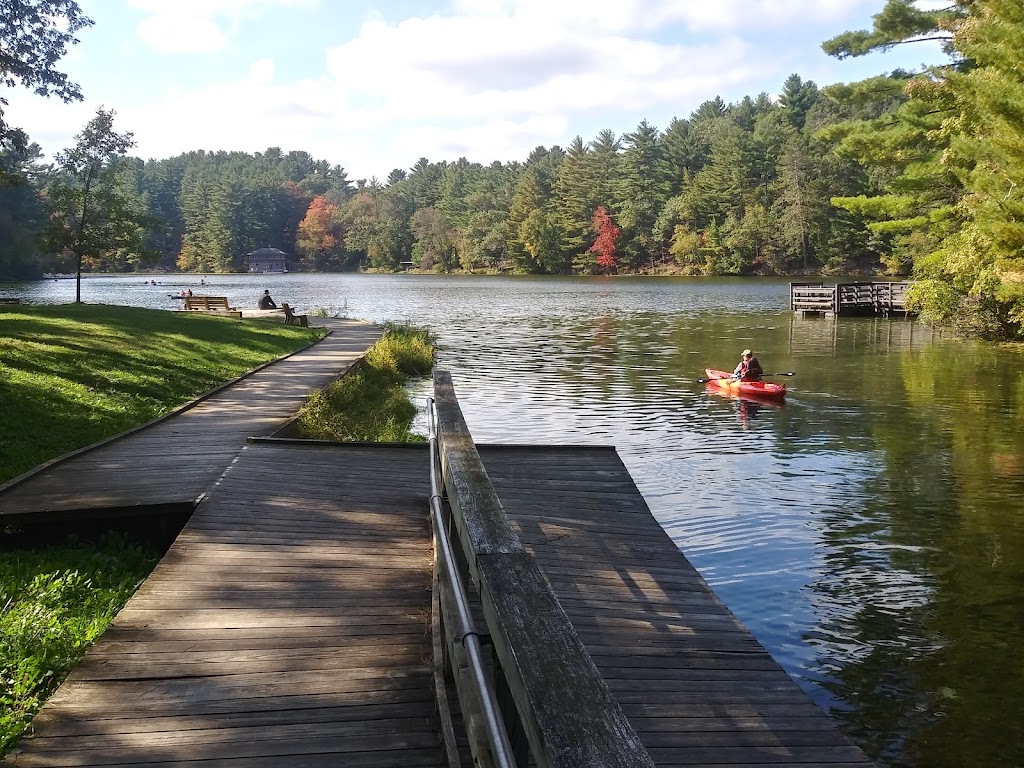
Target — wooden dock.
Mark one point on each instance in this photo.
(289, 624)
(879, 299)
(175, 459)
(299, 616)
(694, 683)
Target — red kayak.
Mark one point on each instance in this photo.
(758, 390)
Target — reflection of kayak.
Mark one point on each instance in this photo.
(757, 400)
(755, 390)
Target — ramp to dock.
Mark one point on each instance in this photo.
(696, 686)
(176, 459)
(289, 624)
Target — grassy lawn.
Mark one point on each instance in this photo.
(370, 403)
(71, 375)
(56, 601)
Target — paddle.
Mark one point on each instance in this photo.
(719, 378)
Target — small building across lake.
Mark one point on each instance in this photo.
(267, 261)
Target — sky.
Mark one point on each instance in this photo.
(373, 86)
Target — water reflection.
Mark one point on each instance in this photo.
(870, 533)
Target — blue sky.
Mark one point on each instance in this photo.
(375, 85)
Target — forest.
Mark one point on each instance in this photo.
(908, 173)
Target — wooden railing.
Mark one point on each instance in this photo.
(848, 298)
(812, 297)
(561, 703)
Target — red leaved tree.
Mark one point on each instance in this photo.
(320, 238)
(607, 238)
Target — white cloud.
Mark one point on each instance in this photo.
(199, 26)
(634, 15)
(490, 80)
(481, 67)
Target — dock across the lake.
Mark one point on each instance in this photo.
(862, 299)
(407, 605)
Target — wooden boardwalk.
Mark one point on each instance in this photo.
(289, 624)
(694, 683)
(175, 460)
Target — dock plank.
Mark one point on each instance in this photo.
(309, 655)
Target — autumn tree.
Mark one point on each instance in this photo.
(605, 240)
(92, 211)
(320, 238)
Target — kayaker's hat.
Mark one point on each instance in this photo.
(747, 353)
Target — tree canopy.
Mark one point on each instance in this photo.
(34, 35)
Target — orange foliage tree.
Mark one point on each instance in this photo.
(320, 242)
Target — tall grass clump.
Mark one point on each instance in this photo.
(55, 602)
(370, 404)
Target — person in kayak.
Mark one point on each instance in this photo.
(749, 368)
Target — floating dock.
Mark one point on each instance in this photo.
(849, 299)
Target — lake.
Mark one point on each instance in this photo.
(870, 532)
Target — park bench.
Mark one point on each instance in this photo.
(208, 304)
(290, 317)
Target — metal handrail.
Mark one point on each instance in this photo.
(465, 632)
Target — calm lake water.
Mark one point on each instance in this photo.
(870, 533)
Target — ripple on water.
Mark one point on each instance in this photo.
(869, 532)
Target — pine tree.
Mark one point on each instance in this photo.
(644, 190)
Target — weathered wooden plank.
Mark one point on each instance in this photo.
(403, 758)
(173, 692)
(89, 716)
(412, 708)
(272, 633)
(694, 683)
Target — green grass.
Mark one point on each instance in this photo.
(55, 602)
(71, 375)
(370, 404)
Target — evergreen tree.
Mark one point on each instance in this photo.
(644, 190)
(22, 216)
(797, 98)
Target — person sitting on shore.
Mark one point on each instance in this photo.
(749, 369)
(266, 302)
